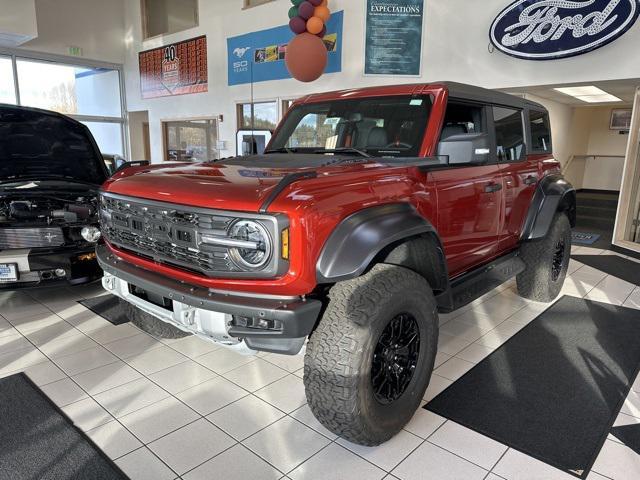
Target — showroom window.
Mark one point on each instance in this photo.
(190, 140)
(509, 134)
(91, 94)
(265, 115)
(163, 17)
(540, 131)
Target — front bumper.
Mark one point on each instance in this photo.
(37, 267)
(214, 315)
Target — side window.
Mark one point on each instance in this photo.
(509, 134)
(540, 131)
(462, 118)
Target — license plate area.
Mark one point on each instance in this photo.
(8, 272)
(157, 300)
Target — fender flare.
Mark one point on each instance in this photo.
(361, 236)
(553, 191)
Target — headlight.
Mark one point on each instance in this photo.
(90, 234)
(253, 250)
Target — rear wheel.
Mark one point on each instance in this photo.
(370, 359)
(151, 324)
(547, 261)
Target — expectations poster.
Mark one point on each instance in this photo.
(393, 43)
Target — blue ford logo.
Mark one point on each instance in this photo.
(551, 29)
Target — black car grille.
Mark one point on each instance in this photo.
(167, 235)
(31, 237)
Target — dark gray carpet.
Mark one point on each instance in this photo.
(38, 442)
(615, 265)
(629, 435)
(108, 307)
(553, 390)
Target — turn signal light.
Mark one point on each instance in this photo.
(285, 244)
(86, 257)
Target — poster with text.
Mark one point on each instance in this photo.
(393, 42)
(259, 56)
(175, 69)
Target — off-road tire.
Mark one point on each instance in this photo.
(150, 324)
(537, 281)
(339, 356)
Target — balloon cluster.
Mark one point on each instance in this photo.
(306, 55)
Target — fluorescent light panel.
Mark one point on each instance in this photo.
(589, 94)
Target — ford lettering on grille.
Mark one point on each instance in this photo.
(168, 236)
(552, 29)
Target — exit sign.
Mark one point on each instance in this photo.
(75, 51)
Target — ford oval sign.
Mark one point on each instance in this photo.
(551, 29)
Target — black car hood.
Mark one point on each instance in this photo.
(41, 145)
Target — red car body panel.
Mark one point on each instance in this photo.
(448, 198)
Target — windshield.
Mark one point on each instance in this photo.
(388, 126)
(40, 146)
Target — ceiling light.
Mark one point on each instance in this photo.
(589, 94)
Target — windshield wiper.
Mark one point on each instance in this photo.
(281, 150)
(346, 150)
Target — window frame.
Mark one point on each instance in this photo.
(145, 26)
(16, 55)
(240, 114)
(494, 134)
(549, 150)
(164, 124)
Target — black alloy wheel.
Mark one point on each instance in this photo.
(395, 358)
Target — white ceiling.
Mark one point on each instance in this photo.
(623, 89)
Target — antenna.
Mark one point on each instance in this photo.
(253, 112)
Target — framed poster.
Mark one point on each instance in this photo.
(393, 37)
(259, 56)
(175, 69)
(621, 119)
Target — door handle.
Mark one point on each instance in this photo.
(492, 187)
(531, 180)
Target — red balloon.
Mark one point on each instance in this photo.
(306, 57)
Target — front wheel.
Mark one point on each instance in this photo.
(547, 261)
(370, 359)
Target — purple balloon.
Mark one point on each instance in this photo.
(305, 10)
(315, 3)
(298, 25)
(323, 32)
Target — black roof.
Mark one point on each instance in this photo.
(470, 92)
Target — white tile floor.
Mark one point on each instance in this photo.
(190, 409)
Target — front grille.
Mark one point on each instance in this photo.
(169, 234)
(31, 237)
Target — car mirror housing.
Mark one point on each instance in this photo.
(466, 148)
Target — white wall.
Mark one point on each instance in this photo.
(455, 48)
(17, 21)
(97, 26)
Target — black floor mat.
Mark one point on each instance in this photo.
(38, 441)
(629, 435)
(553, 390)
(615, 265)
(108, 307)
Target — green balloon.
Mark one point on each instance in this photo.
(297, 2)
(293, 12)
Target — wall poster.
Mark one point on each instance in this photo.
(175, 69)
(393, 37)
(259, 56)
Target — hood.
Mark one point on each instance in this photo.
(46, 146)
(239, 184)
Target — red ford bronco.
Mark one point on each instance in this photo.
(370, 211)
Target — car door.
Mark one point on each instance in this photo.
(518, 170)
(469, 195)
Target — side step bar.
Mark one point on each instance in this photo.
(472, 285)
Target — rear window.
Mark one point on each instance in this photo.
(540, 131)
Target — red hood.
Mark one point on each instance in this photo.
(214, 185)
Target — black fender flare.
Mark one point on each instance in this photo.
(552, 193)
(361, 236)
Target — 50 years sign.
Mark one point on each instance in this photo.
(552, 29)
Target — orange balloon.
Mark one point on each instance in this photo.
(315, 25)
(306, 57)
(323, 13)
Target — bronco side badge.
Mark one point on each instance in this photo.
(553, 29)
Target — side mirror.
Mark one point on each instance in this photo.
(466, 148)
(134, 163)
